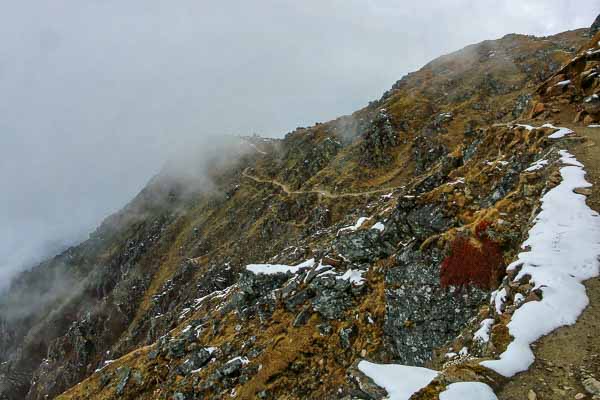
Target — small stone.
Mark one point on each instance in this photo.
(531, 395)
(591, 104)
(579, 396)
(538, 108)
(124, 373)
(347, 336)
(232, 367)
(592, 386)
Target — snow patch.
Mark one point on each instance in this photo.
(499, 299)
(468, 391)
(561, 132)
(244, 360)
(400, 381)
(355, 276)
(563, 83)
(528, 127)
(564, 247)
(537, 165)
(519, 299)
(269, 269)
(106, 363)
(379, 226)
(354, 227)
(483, 333)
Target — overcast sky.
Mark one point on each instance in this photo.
(94, 95)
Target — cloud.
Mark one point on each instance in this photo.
(97, 94)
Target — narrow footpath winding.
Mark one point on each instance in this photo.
(321, 192)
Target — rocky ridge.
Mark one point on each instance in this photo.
(366, 211)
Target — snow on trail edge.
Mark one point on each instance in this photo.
(468, 391)
(400, 381)
(564, 245)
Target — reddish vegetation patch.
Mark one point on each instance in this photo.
(471, 263)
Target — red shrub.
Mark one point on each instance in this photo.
(469, 264)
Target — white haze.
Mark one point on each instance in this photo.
(96, 94)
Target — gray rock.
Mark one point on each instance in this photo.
(105, 379)
(232, 367)
(591, 104)
(332, 296)
(471, 149)
(426, 151)
(197, 360)
(379, 137)
(176, 348)
(595, 26)
(591, 385)
(502, 188)
(263, 394)
(347, 336)
(520, 105)
(123, 373)
(325, 329)
(420, 315)
(362, 246)
(296, 300)
(427, 220)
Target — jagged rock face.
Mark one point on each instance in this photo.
(420, 315)
(165, 291)
(379, 139)
(426, 151)
(578, 81)
(303, 159)
(595, 28)
(420, 221)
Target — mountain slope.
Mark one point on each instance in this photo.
(160, 303)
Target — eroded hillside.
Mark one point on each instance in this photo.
(377, 236)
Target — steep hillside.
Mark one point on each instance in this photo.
(377, 236)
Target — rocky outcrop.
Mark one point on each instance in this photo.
(420, 314)
(595, 28)
(426, 152)
(379, 138)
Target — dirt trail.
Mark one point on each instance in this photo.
(322, 192)
(571, 354)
